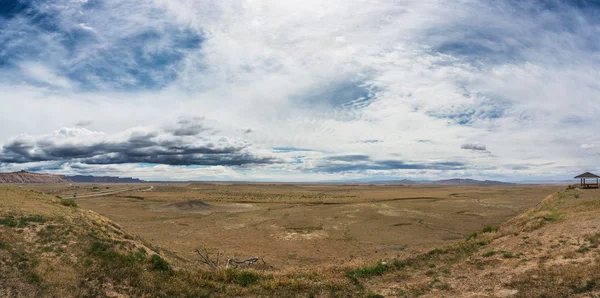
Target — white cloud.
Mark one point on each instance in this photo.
(86, 27)
(42, 74)
(588, 146)
(432, 77)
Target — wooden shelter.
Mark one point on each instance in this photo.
(588, 175)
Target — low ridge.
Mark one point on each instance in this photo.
(24, 177)
(27, 177)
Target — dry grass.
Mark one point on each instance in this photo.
(47, 249)
(550, 250)
(303, 226)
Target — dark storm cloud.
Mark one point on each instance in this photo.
(346, 163)
(473, 147)
(147, 147)
(349, 158)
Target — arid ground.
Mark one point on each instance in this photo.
(302, 225)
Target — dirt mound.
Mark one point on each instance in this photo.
(27, 177)
(191, 205)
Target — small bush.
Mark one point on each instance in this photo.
(472, 236)
(247, 278)
(159, 263)
(68, 202)
(489, 229)
(489, 253)
(589, 286)
(435, 252)
(400, 264)
(139, 255)
(508, 255)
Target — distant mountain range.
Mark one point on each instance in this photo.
(28, 177)
(455, 181)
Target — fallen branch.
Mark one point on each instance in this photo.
(206, 259)
(250, 261)
(215, 262)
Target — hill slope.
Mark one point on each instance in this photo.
(550, 250)
(48, 249)
(27, 177)
(24, 177)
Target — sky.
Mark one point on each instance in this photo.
(312, 90)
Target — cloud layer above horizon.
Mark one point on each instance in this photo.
(300, 90)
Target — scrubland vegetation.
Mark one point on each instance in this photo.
(49, 248)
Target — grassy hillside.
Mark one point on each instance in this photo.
(550, 250)
(50, 247)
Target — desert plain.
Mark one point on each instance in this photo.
(301, 226)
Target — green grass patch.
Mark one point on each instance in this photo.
(12, 222)
(247, 278)
(400, 264)
(368, 272)
(159, 263)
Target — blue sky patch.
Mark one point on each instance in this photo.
(149, 58)
(346, 94)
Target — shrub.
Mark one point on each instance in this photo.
(400, 264)
(472, 236)
(489, 253)
(246, 278)
(98, 247)
(489, 229)
(68, 202)
(508, 255)
(159, 263)
(589, 286)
